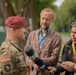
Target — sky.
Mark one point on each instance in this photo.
(58, 2)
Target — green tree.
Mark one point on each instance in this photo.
(66, 15)
(29, 8)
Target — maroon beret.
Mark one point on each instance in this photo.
(15, 21)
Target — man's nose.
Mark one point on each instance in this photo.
(44, 20)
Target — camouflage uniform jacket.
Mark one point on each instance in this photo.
(12, 61)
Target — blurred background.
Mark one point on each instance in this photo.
(65, 14)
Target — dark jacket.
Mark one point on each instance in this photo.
(67, 55)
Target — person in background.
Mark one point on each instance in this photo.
(12, 59)
(28, 30)
(68, 55)
(46, 43)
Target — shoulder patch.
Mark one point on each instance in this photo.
(4, 59)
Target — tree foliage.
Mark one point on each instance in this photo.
(66, 15)
(27, 8)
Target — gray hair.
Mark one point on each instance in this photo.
(49, 10)
(7, 28)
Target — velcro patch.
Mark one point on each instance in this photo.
(4, 59)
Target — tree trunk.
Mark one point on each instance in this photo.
(32, 15)
(6, 8)
(24, 8)
(22, 4)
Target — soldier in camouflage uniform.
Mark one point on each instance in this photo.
(12, 59)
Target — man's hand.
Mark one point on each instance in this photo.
(35, 67)
(52, 69)
(68, 65)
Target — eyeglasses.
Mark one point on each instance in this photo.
(73, 24)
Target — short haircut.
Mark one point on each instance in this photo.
(49, 10)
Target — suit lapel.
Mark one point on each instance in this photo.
(37, 39)
(48, 38)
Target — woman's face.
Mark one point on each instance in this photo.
(73, 34)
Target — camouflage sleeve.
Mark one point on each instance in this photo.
(6, 66)
(20, 63)
(12, 63)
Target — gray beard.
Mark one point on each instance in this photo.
(45, 28)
